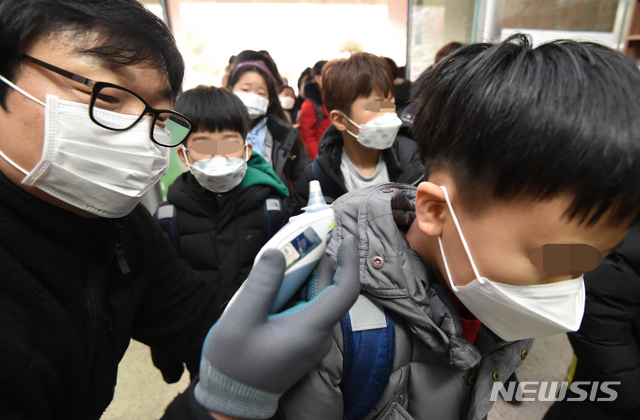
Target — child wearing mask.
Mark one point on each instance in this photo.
(221, 211)
(271, 137)
(362, 148)
(287, 98)
(459, 274)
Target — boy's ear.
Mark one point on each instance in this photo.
(181, 153)
(338, 120)
(430, 206)
(249, 149)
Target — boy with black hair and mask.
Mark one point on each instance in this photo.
(222, 210)
(362, 147)
(524, 167)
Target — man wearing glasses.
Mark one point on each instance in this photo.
(86, 125)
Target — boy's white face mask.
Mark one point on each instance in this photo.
(379, 133)
(97, 170)
(219, 174)
(519, 312)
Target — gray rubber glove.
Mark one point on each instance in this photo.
(250, 358)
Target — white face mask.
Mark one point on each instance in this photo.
(519, 312)
(97, 170)
(378, 133)
(256, 105)
(219, 174)
(287, 102)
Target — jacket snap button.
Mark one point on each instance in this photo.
(524, 354)
(496, 376)
(388, 190)
(377, 262)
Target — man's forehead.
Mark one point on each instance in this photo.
(128, 73)
(84, 47)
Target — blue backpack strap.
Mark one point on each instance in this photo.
(330, 188)
(272, 215)
(368, 357)
(167, 217)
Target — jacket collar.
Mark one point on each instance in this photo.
(187, 193)
(404, 282)
(283, 134)
(400, 169)
(284, 137)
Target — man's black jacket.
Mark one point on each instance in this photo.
(74, 291)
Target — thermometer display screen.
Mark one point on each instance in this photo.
(300, 246)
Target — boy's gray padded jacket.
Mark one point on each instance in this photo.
(436, 373)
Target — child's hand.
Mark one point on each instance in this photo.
(250, 358)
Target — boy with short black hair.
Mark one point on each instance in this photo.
(361, 148)
(520, 152)
(221, 211)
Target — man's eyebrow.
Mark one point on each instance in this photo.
(121, 70)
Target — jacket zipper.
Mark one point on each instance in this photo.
(498, 347)
(474, 373)
(93, 308)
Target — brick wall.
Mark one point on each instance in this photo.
(571, 15)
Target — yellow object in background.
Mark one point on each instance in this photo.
(572, 370)
(351, 45)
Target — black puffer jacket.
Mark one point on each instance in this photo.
(607, 345)
(220, 234)
(74, 291)
(402, 159)
(289, 159)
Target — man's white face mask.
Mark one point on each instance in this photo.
(100, 171)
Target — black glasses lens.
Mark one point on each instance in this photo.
(116, 100)
(176, 125)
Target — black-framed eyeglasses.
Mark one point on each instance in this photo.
(110, 97)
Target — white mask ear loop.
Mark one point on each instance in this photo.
(446, 265)
(464, 241)
(354, 136)
(186, 158)
(5, 157)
